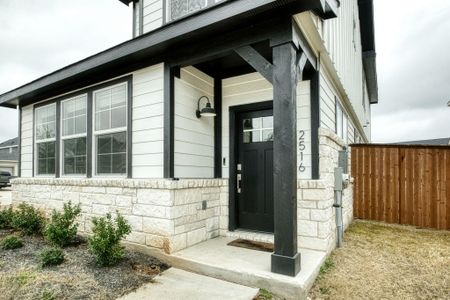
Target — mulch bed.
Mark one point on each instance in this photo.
(22, 277)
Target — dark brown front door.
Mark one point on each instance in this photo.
(254, 170)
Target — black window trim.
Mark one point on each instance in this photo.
(89, 130)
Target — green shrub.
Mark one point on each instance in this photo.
(28, 219)
(11, 242)
(104, 243)
(63, 229)
(51, 257)
(6, 216)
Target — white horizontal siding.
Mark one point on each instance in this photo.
(327, 104)
(194, 138)
(252, 88)
(152, 15)
(304, 125)
(26, 145)
(148, 122)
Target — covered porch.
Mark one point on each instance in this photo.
(277, 50)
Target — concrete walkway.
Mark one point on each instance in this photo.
(176, 284)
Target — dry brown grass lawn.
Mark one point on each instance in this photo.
(381, 261)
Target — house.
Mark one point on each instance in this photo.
(434, 142)
(218, 118)
(9, 156)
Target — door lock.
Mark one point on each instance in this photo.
(238, 183)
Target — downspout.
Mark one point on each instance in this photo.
(338, 183)
(340, 178)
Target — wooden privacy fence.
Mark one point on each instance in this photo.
(402, 184)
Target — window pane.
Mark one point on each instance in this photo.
(69, 165)
(80, 165)
(80, 124)
(267, 122)
(68, 109)
(69, 147)
(104, 164)
(68, 127)
(119, 142)
(118, 117)
(119, 165)
(46, 158)
(104, 144)
(102, 100)
(267, 135)
(80, 106)
(118, 96)
(102, 120)
(51, 166)
(81, 146)
(254, 123)
(111, 153)
(75, 156)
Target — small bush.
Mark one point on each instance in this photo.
(11, 242)
(28, 219)
(63, 229)
(51, 257)
(6, 217)
(104, 243)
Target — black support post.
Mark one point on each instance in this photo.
(285, 259)
(169, 120)
(218, 128)
(315, 124)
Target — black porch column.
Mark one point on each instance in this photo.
(285, 259)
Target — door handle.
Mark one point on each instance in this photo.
(238, 183)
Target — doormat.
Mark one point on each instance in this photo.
(252, 245)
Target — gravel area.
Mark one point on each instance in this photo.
(381, 261)
(22, 277)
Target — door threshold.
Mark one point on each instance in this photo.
(256, 236)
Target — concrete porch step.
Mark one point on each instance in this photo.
(216, 259)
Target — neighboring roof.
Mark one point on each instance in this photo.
(434, 142)
(9, 143)
(367, 25)
(150, 48)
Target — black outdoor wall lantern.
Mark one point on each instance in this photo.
(206, 111)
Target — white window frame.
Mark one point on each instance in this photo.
(36, 141)
(96, 133)
(72, 136)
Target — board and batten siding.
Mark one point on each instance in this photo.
(148, 122)
(26, 152)
(194, 137)
(252, 88)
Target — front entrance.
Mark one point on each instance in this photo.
(254, 169)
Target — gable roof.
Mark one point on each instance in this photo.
(434, 142)
(9, 143)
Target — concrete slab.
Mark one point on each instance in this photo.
(176, 284)
(243, 266)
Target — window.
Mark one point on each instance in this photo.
(181, 8)
(74, 122)
(258, 130)
(45, 138)
(110, 119)
(341, 123)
